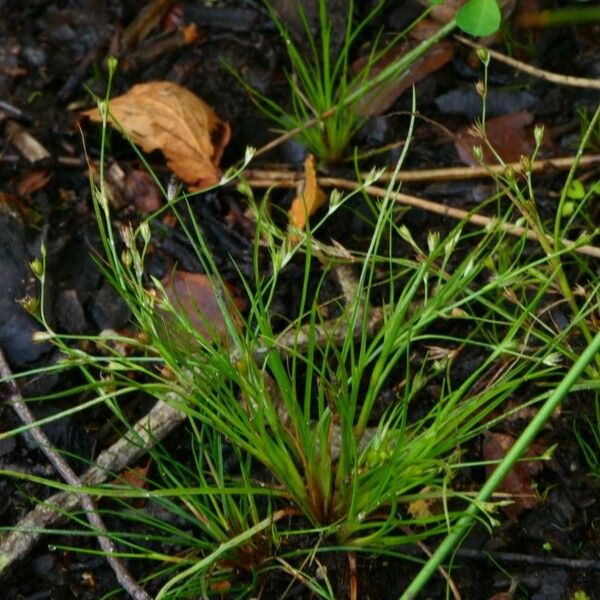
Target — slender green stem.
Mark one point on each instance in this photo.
(563, 197)
(520, 446)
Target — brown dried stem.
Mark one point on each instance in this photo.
(434, 207)
(442, 174)
(582, 82)
(15, 399)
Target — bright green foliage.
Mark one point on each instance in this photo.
(287, 435)
(297, 420)
(479, 17)
(318, 83)
(324, 90)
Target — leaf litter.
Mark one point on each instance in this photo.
(161, 115)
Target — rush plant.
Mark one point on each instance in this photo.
(324, 110)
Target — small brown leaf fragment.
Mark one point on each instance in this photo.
(508, 595)
(507, 134)
(383, 96)
(161, 115)
(32, 181)
(142, 191)
(310, 199)
(146, 20)
(195, 295)
(425, 507)
(136, 477)
(445, 11)
(519, 482)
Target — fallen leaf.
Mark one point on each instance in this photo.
(221, 587)
(142, 191)
(519, 482)
(508, 595)
(383, 96)
(442, 12)
(195, 294)
(145, 21)
(507, 135)
(136, 477)
(161, 115)
(310, 199)
(32, 181)
(423, 508)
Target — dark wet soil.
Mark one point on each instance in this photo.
(52, 53)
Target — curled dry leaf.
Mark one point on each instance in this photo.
(161, 115)
(310, 198)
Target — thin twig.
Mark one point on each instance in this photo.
(582, 82)
(437, 208)
(353, 576)
(580, 564)
(17, 112)
(150, 429)
(443, 174)
(66, 472)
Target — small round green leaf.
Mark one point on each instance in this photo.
(568, 209)
(576, 191)
(479, 17)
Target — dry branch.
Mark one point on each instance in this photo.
(437, 208)
(66, 472)
(582, 82)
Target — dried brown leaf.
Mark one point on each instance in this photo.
(161, 115)
(507, 134)
(142, 191)
(310, 199)
(519, 482)
(32, 181)
(195, 295)
(383, 96)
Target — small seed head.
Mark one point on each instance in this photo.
(30, 304)
(37, 267)
(525, 164)
(145, 232)
(112, 64)
(483, 54)
(126, 258)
